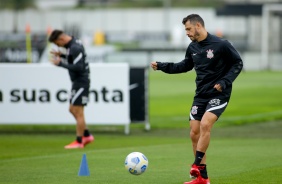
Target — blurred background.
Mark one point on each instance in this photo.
(139, 31)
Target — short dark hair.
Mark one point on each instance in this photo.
(55, 35)
(193, 18)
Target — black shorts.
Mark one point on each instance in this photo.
(215, 105)
(79, 96)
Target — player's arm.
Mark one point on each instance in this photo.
(232, 56)
(185, 65)
(77, 57)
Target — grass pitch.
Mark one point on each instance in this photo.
(241, 150)
(232, 159)
(256, 97)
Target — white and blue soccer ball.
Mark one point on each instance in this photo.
(136, 163)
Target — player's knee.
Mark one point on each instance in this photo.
(205, 127)
(72, 110)
(194, 134)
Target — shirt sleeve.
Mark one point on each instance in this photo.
(232, 56)
(185, 65)
(76, 57)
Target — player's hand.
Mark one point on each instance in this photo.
(154, 65)
(218, 87)
(55, 53)
(55, 60)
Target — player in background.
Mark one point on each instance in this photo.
(74, 61)
(217, 64)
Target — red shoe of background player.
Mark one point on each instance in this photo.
(74, 145)
(87, 140)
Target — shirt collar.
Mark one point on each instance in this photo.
(69, 43)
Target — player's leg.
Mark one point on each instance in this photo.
(79, 98)
(77, 112)
(194, 133)
(87, 136)
(206, 125)
(198, 170)
(215, 107)
(82, 132)
(196, 114)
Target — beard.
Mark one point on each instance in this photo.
(192, 39)
(195, 37)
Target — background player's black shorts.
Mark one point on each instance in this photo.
(216, 105)
(79, 96)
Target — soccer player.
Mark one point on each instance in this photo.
(74, 61)
(217, 64)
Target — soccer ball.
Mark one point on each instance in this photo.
(136, 163)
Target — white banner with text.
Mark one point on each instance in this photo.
(39, 94)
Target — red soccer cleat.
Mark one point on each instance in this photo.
(74, 145)
(194, 172)
(87, 140)
(198, 180)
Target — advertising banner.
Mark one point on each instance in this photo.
(39, 94)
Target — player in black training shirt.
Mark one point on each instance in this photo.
(74, 61)
(217, 64)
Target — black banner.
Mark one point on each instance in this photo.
(138, 96)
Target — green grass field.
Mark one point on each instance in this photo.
(245, 146)
(256, 97)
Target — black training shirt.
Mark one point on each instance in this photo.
(75, 62)
(215, 61)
